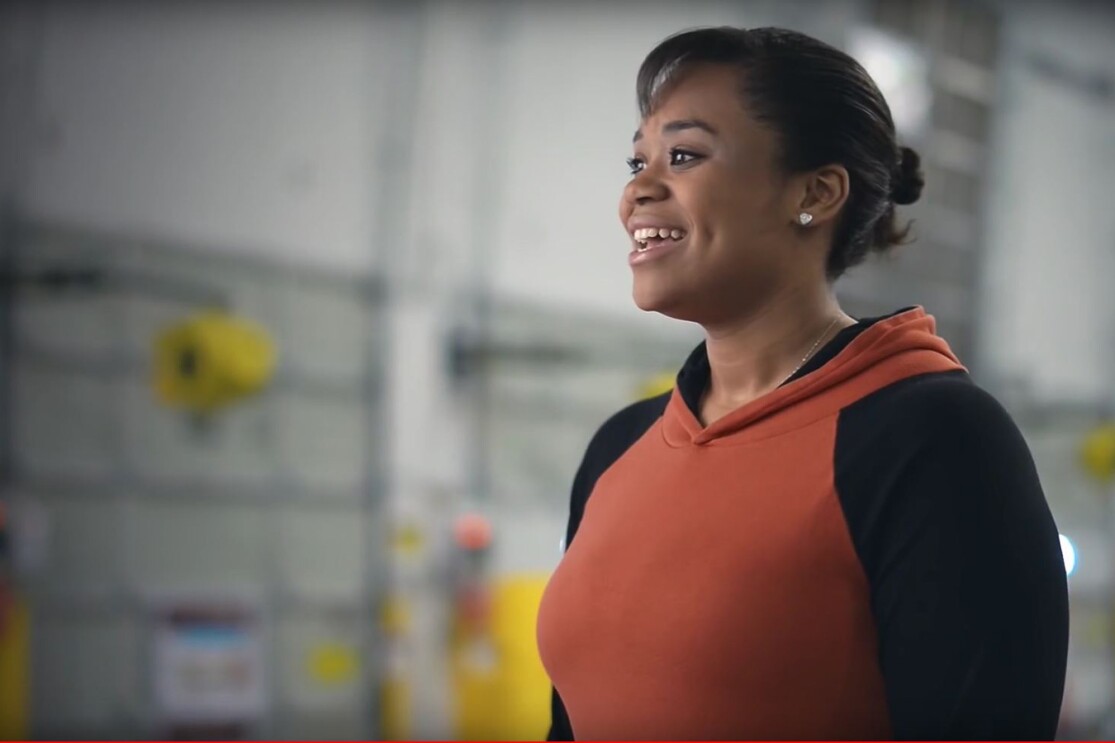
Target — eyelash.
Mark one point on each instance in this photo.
(636, 164)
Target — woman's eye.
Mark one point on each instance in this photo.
(677, 157)
(681, 157)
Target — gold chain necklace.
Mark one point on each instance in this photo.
(810, 351)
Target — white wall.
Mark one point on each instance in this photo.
(1048, 317)
(246, 125)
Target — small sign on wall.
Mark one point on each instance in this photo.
(209, 664)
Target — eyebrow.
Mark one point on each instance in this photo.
(678, 126)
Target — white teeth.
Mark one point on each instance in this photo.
(651, 233)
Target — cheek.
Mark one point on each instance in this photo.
(718, 217)
(742, 211)
(734, 230)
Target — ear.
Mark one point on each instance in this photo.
(824, 192)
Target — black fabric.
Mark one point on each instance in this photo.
(968, 585)
(614, 438)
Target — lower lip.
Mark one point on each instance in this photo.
(636, 257)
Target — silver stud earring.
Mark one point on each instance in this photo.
(805, 218)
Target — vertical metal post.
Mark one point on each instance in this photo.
(490, 167)
(395, 165)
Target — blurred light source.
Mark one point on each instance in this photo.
(902, 73)
(1068, 551)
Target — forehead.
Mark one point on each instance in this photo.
(708, 92)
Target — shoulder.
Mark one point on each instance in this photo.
(941, 409)
(939, 444)
(936, 441)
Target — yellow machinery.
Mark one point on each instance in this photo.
(212, 360)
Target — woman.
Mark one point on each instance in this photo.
(826, 530)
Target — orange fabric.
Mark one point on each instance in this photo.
(712, 590)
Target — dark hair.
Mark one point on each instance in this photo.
(825, 109)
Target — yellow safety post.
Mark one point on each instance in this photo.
(15, 669)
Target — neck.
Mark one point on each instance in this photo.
(752, 354)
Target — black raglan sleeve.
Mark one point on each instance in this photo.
(963, 560)
(610, 442)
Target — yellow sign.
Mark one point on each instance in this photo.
(333, 663)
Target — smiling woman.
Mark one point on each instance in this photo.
(826, 530)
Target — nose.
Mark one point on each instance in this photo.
(644, 187)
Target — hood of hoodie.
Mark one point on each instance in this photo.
(903, 345)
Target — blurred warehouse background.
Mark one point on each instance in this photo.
(309, 310)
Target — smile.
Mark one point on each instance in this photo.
(650, 237)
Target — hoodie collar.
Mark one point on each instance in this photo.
(865, 353)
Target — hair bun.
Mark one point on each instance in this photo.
(909, 180)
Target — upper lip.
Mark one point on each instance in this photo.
(645, 221)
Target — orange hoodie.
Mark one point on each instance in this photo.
(795, 569)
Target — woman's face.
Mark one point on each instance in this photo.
(705, 175)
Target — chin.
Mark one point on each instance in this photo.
(656, 299)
